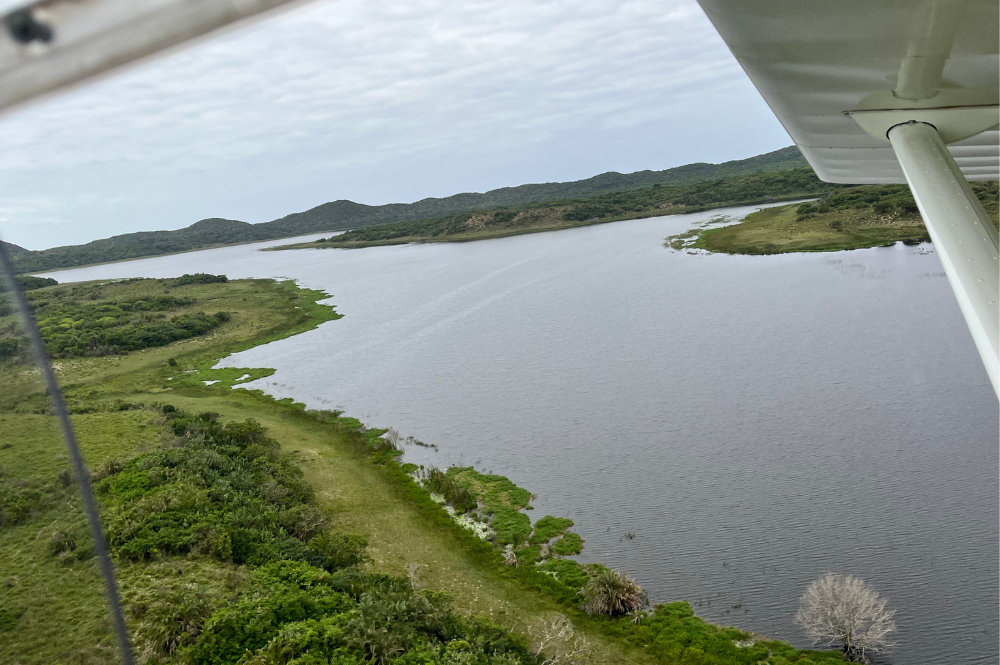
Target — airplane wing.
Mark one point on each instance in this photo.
(812, 61)
(50, 44)
(892, 91)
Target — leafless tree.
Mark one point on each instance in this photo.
(413, 571)
(555, 643)
(843, 610)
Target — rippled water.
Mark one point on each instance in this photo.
(754, 421)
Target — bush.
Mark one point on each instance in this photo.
(338, 550)
(115, 327)
(460, 498)
(226, 491)
(30, 283)
(173, 620)
(613, 593)
(200, 278)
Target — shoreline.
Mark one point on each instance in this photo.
(507, 233)
(394, 510)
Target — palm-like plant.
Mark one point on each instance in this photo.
(614, 593)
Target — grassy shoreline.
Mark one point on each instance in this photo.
(854, 218)
(543, 227)
(50, 608)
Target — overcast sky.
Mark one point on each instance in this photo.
(378, 102)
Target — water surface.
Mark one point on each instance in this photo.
(756, 422)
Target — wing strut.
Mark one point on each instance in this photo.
(963, 234)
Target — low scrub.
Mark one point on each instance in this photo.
(613, 593)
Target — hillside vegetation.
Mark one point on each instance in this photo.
(846, 218)
(342, 215)
(645, 202)
(249, 530)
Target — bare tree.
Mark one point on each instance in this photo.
(843, 610)
(413, 571)
(555, 643)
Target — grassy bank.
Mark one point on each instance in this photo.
(292, 538)
(648, 201)
(851, 218)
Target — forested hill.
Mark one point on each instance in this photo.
(343, 215)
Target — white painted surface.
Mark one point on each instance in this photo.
(963, 234)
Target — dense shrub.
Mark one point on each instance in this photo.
(294, 612)
(115, 327)
(30, 283)
(200, 278)
(225, 491)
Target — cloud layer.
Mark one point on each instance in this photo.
(377, 102)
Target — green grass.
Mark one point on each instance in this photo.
(853, 218)
(52, 609)
(548, 528)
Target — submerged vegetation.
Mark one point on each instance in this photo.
(844, 218)
(249, 530)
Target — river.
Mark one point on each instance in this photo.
(754, 422)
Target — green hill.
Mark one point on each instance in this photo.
(343, 215)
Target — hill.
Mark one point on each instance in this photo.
(613, 206)
(342, 215)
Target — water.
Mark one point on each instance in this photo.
(755, 421)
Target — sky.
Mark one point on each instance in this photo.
(377, 102)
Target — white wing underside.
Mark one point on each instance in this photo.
(814, 60)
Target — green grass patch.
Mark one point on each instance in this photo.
(568, 545)
(548, 528)
(851, 218)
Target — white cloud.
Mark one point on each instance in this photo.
(379, 101)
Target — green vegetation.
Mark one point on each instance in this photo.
(847, 218)
(645, 202)
(548, 528)
(30, 282)
(70, 328)
(239, 524)
(568, 545)
(343, 215)
(613, 593)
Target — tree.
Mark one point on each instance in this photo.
(555, 643)
(844, 610)
(614, 593)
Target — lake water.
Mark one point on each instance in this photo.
(755, 422)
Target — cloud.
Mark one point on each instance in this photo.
(379, 101)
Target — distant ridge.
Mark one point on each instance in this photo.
(343, 215)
